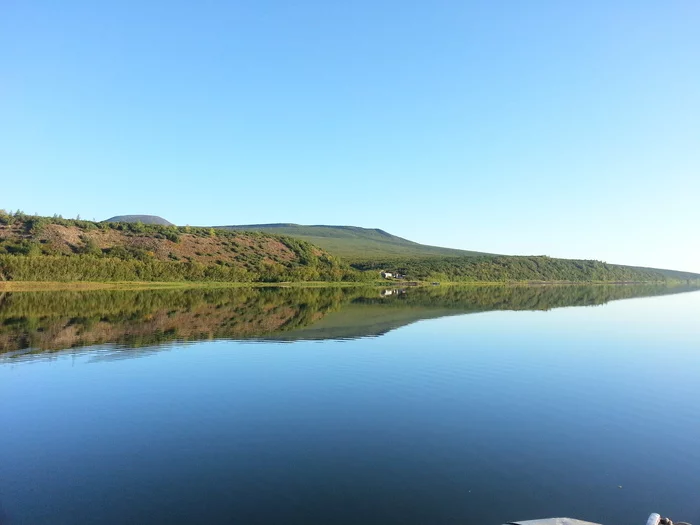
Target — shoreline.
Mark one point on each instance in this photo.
(40, 286)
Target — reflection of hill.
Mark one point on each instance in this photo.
(57, 320)
(49, 321)
(359, 319)
(374, 316)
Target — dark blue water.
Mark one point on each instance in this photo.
(589, 412)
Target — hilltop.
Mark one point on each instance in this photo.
(144, 219)
(355, 243)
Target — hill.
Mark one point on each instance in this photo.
(354, 243)
(36, 248)
(373, 250)
(144, 219)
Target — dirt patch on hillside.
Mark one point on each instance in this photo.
(234, 249)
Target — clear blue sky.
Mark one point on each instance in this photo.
(563, 128)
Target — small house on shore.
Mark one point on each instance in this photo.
(392, 275)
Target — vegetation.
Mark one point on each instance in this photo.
(371, 251)
(36, 248)
(512, 268)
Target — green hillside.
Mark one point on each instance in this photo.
(353, 243)
(510, 268)
(374, 250)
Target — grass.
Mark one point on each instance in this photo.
(353, 243)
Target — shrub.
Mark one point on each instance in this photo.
(173, 236)
(89, 247)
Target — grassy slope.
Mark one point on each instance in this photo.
(354, 243)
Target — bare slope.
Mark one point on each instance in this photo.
(354, 243)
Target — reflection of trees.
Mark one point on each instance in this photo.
(536, 297)
(55, 320)
(45, 321)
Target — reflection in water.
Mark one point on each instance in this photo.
(465, 419)
(39, 322)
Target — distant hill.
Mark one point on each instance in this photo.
(677, 275)
(355, 243)
(143, 219)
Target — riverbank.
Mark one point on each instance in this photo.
(39, 286)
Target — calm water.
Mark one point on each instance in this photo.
(460, 406)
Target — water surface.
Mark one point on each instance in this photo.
(442, 406)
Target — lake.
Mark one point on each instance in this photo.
(474, 405)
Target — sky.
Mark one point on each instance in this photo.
(570, 129)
